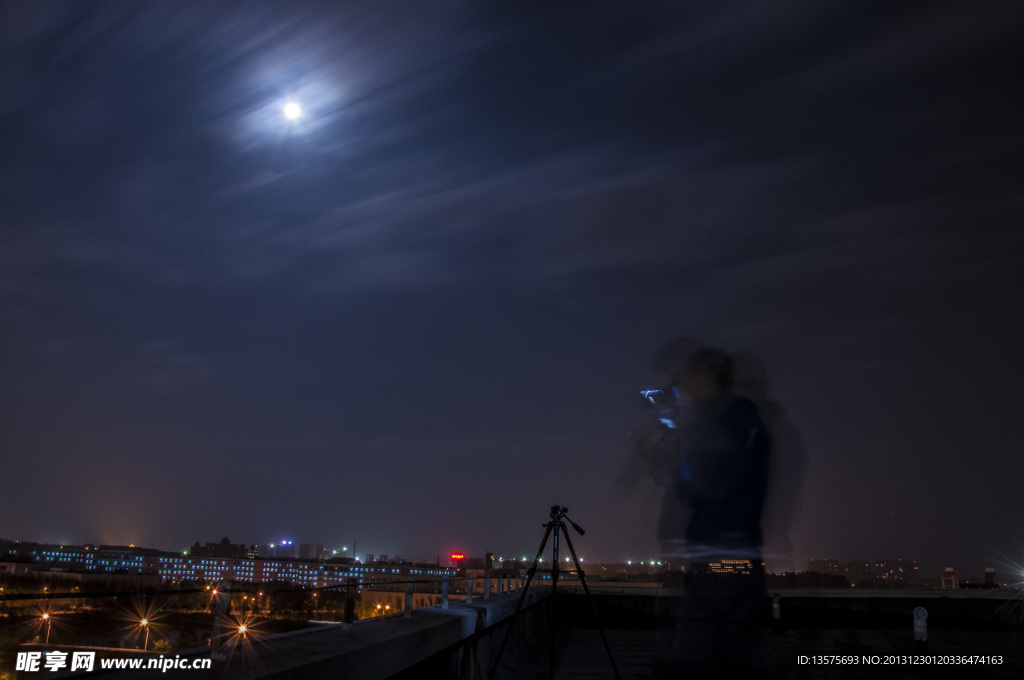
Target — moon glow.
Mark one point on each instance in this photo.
(292, 111)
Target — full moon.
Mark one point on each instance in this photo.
(292, 110)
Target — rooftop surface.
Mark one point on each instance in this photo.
(823, 635)
(868, 653)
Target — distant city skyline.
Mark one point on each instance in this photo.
(813, 564)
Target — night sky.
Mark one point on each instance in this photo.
(421, 313)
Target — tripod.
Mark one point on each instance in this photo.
(555, 526)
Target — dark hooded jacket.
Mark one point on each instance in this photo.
(723, 474)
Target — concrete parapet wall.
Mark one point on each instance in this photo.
(836, 607)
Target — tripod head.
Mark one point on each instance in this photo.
(558, 513)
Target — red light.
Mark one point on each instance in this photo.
(458, 556)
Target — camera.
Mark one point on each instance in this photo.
(667, 402)
(662, 397)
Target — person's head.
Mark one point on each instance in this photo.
(751, 375)
(709, 373)
(671, 358)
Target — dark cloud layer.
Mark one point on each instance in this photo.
(418, 316)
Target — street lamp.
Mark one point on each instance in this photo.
(46, 617)
(145, 624)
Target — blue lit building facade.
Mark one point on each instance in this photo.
(178, 568)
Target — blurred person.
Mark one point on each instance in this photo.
(789, 458)
(712, 455)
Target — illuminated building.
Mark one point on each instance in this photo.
(743, 567)
(879, 572)
(181, 567)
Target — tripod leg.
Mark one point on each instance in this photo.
(522, 598)
(554, 592)
(593, 606)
